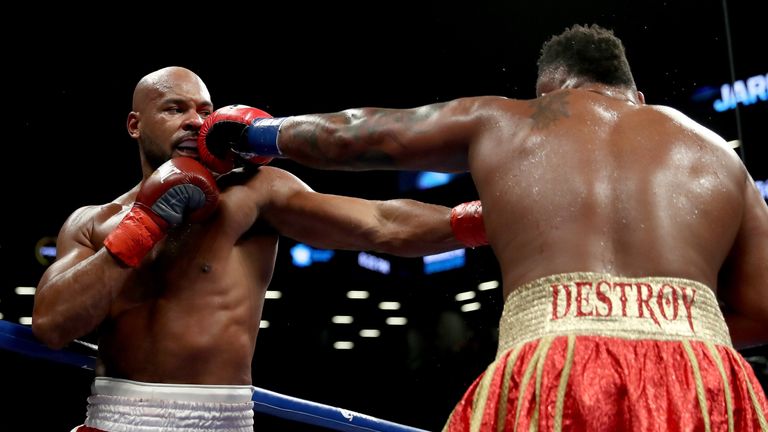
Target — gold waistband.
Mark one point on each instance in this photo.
(598, 304)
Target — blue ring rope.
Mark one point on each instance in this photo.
(19, 338)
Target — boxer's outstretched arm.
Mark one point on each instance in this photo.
(744, 277)
(399, 227)
(75, 293)
(431, 137)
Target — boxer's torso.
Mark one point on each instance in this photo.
(191, 312)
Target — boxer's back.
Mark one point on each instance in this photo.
(587, 182)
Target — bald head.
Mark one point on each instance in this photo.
(169, 106)
(164, 81)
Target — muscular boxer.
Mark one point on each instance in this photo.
(618, 226)
(172, 274)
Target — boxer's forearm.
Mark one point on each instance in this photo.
(336, 141)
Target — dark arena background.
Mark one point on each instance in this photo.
(421, 330)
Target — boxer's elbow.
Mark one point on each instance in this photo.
(49, 326)
(48, 331)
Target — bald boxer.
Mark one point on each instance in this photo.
(172, 273)
(619, 228)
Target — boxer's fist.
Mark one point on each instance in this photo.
(467, 224)
(225, 134)
(180, 189)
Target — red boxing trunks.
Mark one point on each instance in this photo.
(595, 352)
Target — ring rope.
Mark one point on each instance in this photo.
(19, 338)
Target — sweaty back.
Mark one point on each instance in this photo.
(580, 181)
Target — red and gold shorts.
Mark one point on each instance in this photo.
(595, 352)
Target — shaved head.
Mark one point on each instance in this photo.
(163, 81)
(168, 109)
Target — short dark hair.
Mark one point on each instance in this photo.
(591, 52)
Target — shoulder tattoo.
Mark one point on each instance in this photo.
(548, 110)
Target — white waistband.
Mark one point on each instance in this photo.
(119, 405)
(176, 392)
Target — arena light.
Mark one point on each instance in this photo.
(25, 320)
(357, 294)
(22, 290)
(745, 92)
(1, 315)
(762, 186)
(45, 250)
(421, 180)
(370, 333)
(485, 286)
(389, 305)
(263, 324)
(466, 295)
(373, 263)
(304, 256)
(469, 307)
(301, 255)
(443, 261)
(342, 319)
(270, 294)
(393, 321)
(343, 345)
(430, 179)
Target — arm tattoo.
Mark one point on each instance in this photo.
(548, 110)
(384, 126)
(368, 133)
(312, 137)
(308, 136)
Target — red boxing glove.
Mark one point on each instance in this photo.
(467, 224)
(179, 189)
(223, 135)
